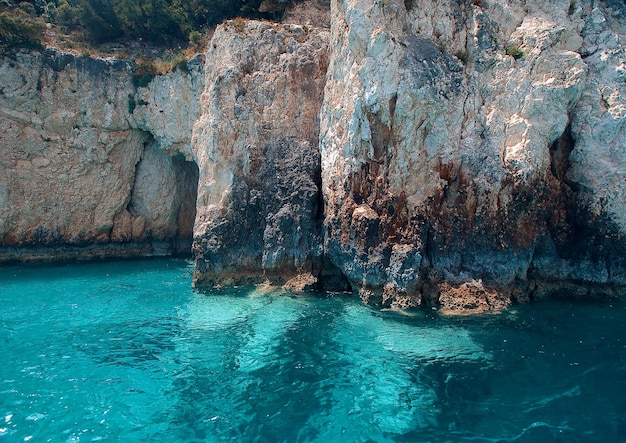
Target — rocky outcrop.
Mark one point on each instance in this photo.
(259, 202)
(80, 175)
(448, 140)
(169, 106)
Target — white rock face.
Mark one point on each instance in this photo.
(445, 134)
(170, 105)
(256, 148)
(599, 123)
(64, 138)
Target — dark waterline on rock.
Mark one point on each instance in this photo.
(128, 351)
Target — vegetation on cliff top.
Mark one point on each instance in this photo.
(161, 22)
(18, 28)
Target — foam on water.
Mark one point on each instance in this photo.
(129, 352)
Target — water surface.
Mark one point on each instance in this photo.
(127, 351)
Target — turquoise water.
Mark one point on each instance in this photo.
(127, 351)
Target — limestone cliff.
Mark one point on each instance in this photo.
(461, 150)
(80, 175)
(259, 202)
(459, 154)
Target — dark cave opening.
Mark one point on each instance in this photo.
(162, 202)
(187, 176)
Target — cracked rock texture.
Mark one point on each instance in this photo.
(259, 203)
(475, 143)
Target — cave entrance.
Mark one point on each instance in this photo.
(163, 201)
(187, 175)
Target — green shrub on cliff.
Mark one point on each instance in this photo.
(28, 8)
(153, 20)
(19, 29)
(179, 62)
(158, 21)
(514, 51)
(66, 15)
(145, 71)
(167, 22)
(195, 37)
(99, 19)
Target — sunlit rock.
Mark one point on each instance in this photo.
(460, 155)
(81, 175)
(446, 133)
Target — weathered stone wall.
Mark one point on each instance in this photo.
(80, 176)
(460, 154)
(446, 138)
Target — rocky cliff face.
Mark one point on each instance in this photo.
(452, 143)
(84, 171)
(259, 202)
(460, 154)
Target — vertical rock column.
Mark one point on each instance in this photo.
(389, 115)
(256, 144)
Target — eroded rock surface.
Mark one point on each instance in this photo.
(80, 176)
(259, 202)
(446, 138)
(464, 155)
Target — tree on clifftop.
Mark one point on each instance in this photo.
(19, 28)
(157, 21)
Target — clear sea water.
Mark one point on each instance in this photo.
(127, 351)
